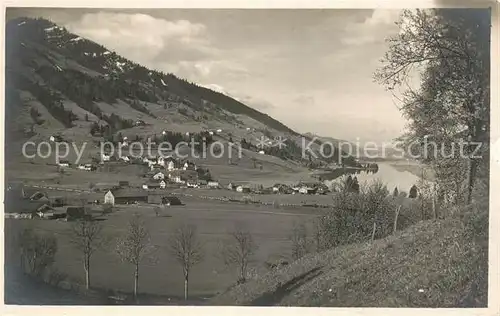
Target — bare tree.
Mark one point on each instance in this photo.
(186, 249)
(300, 242)
(238, 251)
(87, 238)
(451, 50)
(134, 246)
(37, 252)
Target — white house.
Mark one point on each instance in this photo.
(86, 167)
(109, 198)
(159, 176)
(213, 184)
(219, 131)
(125, 158)
(52, 139)
(303, 190)
(161, 161)
(241, 189)
(178, 179)
(261, 152)
(211, 133)
(47, 214)
(63, 163)
(145, 186)
(105, 157)
(175, 178)
(248, 128)
(163, 184)
(191, 184)
(89, 167)
(170, 165)
(189, 166)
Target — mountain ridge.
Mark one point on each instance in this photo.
(58, 82)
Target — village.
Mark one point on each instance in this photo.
(162, 176)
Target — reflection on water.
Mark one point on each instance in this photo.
(403, 180)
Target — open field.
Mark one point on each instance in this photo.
(430, 264)
(271, 229)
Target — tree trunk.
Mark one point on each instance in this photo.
(434, 212)
(374, 229)
(186, 278)
(395, 227)
(87, 273)
(470, 178)
(243, 272)
(136, 280)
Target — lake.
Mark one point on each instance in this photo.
(386, 173)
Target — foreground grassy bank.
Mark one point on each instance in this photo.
(431, 264)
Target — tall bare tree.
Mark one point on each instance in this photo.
(187, 250)
(87, 238)
(450, 49)
(134, 246)
(238, 251)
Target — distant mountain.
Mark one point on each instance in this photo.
(347, 147)
(59, 82)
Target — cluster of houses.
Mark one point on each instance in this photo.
(85, 166)
(26, 203)
(132, 196)
(163, 170)
(278, 188)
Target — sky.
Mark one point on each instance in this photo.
(311, 69)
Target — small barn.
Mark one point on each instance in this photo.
(243, 189)
(213, 184)
(125, 196)
(171, 200)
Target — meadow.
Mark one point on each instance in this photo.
(161, 274)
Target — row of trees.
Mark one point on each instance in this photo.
(135, 247)
(370, 214)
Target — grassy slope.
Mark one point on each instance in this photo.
(447, 259)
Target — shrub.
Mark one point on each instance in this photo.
(37, 252)
(355, 214)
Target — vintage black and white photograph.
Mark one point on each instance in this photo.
(327, 157)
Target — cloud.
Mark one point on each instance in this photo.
(251, 101)
(305, 100)
(215, 87)
(372, 30)
(144, 38)
(205, 71)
